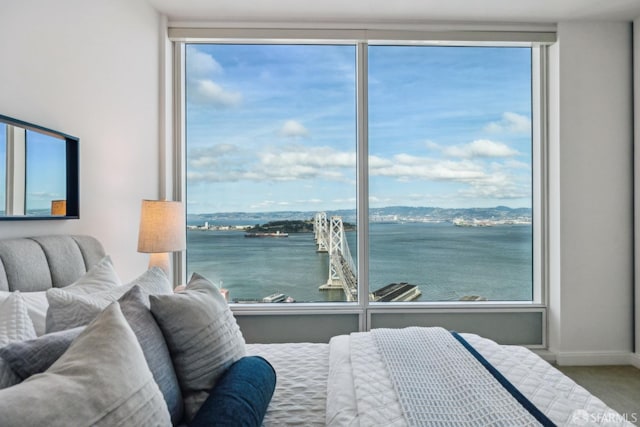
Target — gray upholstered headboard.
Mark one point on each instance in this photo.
(38, 263)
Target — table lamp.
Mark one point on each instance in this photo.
(162, 230)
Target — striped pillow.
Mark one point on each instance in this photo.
(202, 335)
(101, 380)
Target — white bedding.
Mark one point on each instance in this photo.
(319, 385)
(301, 382)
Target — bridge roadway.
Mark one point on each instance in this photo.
(330, 238)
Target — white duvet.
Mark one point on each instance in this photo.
(346, 383)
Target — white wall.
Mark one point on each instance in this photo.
(90, 69)
(591, 194)
(636, 138)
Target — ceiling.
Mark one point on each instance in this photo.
(396, 11)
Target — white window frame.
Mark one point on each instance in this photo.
(537, 40)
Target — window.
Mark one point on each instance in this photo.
(450, 173)
(271, 149)
(271, 141)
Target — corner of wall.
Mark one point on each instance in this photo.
(636, 161)
(553, 192)
(591, 193)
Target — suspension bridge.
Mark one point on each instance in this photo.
(330, 238)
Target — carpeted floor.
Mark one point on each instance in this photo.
(617, 386)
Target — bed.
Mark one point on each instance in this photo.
(346, 383)
(403, 377)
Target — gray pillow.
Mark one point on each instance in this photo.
(134, 307)
(7, 376)
(154, 281)
(30, 357)
(202, 336)
(69, 310)
(34, 356)
(101, 380)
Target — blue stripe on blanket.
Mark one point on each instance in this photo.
(537, 414)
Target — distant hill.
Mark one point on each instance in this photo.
(289, 226)
(386, 214)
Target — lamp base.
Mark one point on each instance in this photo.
(160, 259)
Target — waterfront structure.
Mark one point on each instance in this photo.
(330, 238)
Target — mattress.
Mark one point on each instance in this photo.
(302, 371)
(346, 383)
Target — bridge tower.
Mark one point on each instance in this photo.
(321, 232)
(342, 270)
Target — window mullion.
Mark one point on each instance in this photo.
(363, 180)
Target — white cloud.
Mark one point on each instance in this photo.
(42, 195)
(209, 156)
(501, 186)
(293, 162)
(206, 91)
(408, 167)
(293, 129)
(480, 148)
(300, 162)
(510, 122)
(480, 179)
(201, 64)
(202, 89)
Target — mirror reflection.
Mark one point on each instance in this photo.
(38, 172)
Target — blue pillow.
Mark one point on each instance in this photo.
(241, 395)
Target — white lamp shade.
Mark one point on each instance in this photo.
(162, 227)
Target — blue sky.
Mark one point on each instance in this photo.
(273, 127)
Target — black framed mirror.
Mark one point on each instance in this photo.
(39, 172)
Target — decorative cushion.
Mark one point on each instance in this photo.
(154, 281)
(241, 395)
(30, 357)
(102, 380)
(100, 277)
(34, 356)
(202, 336)
(134, 307)
(7, 376)
(36, 307)
(15, 323)
(69, 310)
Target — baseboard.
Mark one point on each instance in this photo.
(545, 354)
(634, 359)
(593, 358)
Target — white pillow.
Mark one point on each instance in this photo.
(37, 305)
(15, 323)
(101, 380)
(100, 277)
(68, 310)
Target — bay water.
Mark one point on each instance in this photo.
(445, 262)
